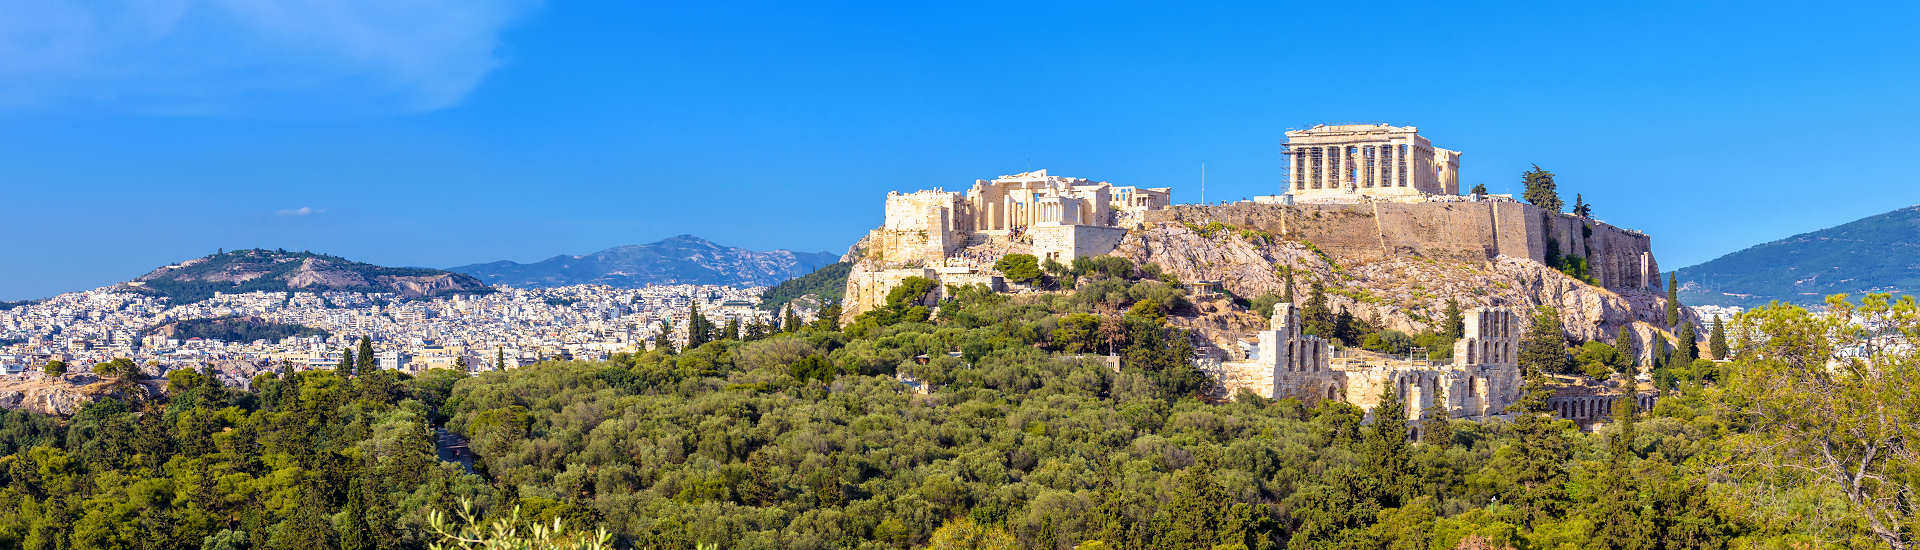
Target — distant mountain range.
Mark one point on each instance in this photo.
(280, 270)
(1879, 253)
(684, 259)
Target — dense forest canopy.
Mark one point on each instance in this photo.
(237, 328)
(1026, 438)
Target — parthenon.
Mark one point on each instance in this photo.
(1349, 161)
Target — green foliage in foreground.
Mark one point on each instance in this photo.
(807, 439)
(828, 283)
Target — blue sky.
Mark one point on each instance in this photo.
(445, 132)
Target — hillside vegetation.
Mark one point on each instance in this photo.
(235, 328)
(827, 284)
(1024, 438)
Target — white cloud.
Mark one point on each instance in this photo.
(249, 57)
(301, 211)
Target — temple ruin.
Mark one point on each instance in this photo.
(1349, 161)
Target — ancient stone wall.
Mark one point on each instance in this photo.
(1063, 243)
(1472, 231)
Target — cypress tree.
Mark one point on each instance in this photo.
(364, 360)
(1686, 349)
(1543, 349)
(1287, 294)
(499, 358)
(790, 321)
(1717, 341)
(1624, 343)
(1315, 318)
(698, 330)
(1673, 302)
(1456, 321)
(345, 368)
(1619, 515)
(1384, 451)
(732, 331)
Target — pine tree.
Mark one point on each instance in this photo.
(732, 332)
(1685, 348)
(1540, 189)
(355, 534)
(345, 368)
(1384, 452)
(364, 360)
(1580, 207)
(1436, 425)
(1456, 321)
(1287, 294)
(1619, 515)
(1543, 350)
(1624, 343)
(1673, 302)
(460, 363)
(791, 321)
(1480, 189)
(1315, 318)
(1717, 341)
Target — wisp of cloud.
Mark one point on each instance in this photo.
(256, 58)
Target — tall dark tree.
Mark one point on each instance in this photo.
(1384, 452)
(364, 360)
(1717, 341)
(1540, 189)
(1315, 317)
(1619, 510)
(1624, 342)
(699, 330)
(1456, 320)
(1543, 350)
(499, 358)
(1286, 295)
(345, 368)
(1686, 347)
(1581, 208)
(1673, 302)
(1480, 189)
(1436, 425)
(790, 321)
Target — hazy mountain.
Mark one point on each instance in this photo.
(1874, 254)
(280, 270)
(685, 259)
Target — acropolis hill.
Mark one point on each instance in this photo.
(1372, 212)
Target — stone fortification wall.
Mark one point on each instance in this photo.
(1472, 231)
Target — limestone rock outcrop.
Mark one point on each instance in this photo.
(65, 395)
(1407, 293)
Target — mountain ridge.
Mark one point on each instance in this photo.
(681, 259)
(259, 269)
(1871, 254)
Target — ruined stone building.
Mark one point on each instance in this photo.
(1348, 161)
(953, 236)
(1482, 380)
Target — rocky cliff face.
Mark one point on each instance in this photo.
(65, 395)
(1407, 293)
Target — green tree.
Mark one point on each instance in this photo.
(1384, 453)
(1581, 208)
(1825, 405)
(1685, 348)
(1315, 318)
(1436, 425)
(1287, 294)
(1019, 268)
(54, 367)
(1456, 326)
(1540, 189)
(1619, 512)
(1717, 341)
(1624, 343)
(699, 330)
(364, 360)
(1543, 348)
(1479, 189)
(499, 358)
(1673, 302)
(345, 367)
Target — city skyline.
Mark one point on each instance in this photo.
(775, 127)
